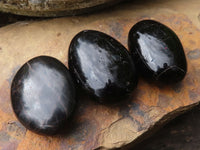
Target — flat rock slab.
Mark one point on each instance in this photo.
(96, 126)
(52, 8)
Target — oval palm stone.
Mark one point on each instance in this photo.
(43, 95)
(157, 52)
(102, 66)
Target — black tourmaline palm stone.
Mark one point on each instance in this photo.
(43, 95)
(102, 66)
(157, 52)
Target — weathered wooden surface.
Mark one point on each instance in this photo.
(94, 125)
(51, 8)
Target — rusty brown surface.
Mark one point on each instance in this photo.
(94, 125)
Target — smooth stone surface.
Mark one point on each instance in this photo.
(157, 51)
(43, 95)
(102, 66)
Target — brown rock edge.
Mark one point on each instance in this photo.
(96, 126)
(52, 8)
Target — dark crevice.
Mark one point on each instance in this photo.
(183, 133)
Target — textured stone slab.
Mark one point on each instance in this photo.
(50, 8)
(96, 126)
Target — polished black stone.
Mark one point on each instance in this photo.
(102, 66)
(43, 95)
(157, 52)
